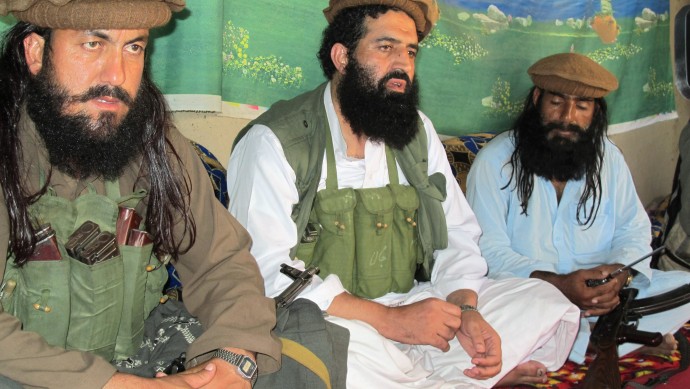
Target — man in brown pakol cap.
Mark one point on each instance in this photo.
(87, 142)
(352, 178)
(556, 201)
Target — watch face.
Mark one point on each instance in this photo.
(247, 367)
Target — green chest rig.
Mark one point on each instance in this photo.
(97, 308)
(301, 126)
(368, 237)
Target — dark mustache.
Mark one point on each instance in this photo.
(396, 74)
(103, 90)
(564, 127)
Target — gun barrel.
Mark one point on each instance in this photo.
(635, 262)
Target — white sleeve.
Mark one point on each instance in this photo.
(261, 187)
(631, 237)
(491, 199)
(460, 265)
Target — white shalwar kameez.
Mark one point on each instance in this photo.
(548, 237)
(535, 321)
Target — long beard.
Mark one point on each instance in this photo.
(372, 110)
(78, 145)
(556, 157)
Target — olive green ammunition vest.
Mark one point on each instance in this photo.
(368, 237)
(97, 308)
(301, 125)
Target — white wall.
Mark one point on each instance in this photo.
(212, 131)
(651, 152)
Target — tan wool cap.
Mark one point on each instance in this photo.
(93, 14)
(572, 74)
(425, 13)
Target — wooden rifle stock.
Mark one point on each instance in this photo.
(603, 371)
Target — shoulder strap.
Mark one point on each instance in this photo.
(306, 358)
(300, 125)
(674, 205)
(431, 220)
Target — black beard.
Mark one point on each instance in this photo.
(76, 144)
(558, 158)
(372, 110)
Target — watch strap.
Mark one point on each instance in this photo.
(246, 367)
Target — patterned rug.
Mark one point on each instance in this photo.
(635, 367)
(461, 152)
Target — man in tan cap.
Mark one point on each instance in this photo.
(556, 200)
(87, 143)
(352, 178)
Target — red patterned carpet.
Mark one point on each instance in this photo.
(637, 367)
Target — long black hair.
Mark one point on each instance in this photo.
(168, 186)
(524, 176)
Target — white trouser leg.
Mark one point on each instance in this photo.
(534, 320)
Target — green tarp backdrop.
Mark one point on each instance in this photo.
(240, 56)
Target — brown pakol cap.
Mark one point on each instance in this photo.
(572, 74)
(93, 14)
(425, 13)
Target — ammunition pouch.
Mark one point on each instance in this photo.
(98, 308)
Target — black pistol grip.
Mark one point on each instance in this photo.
(628, 333)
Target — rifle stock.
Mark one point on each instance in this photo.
(603, 372)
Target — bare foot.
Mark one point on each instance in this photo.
(667, 346)
(528, 373)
